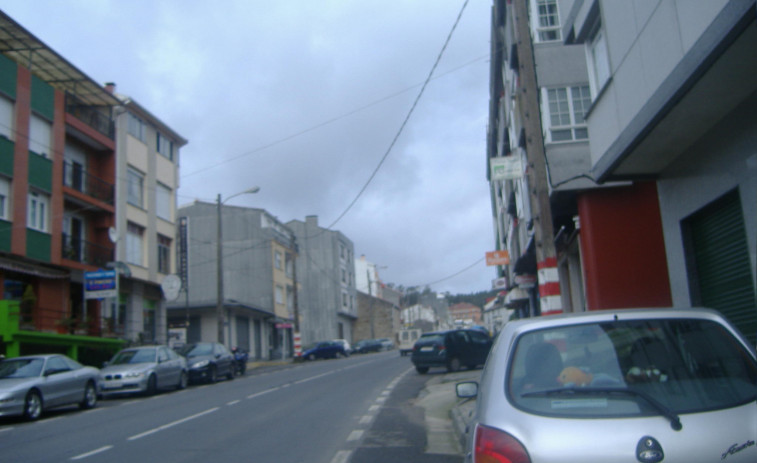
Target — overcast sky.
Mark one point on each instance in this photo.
(303, 99)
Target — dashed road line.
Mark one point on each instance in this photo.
(93, 452)
(170, 425)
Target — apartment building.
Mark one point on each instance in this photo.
(326, 282)
(147, 168)
(258, 255)
(57, 194)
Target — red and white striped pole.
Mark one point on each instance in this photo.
(549, 286)
(297, 346)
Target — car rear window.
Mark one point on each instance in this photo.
(621, 368)
(437, 338)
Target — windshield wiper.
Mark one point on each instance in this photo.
(675, 421)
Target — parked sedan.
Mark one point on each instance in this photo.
(451, 349)
(208, 361)
(662, 385)
(324, 350)
(32, 384)
(368, 345)
(143, 370)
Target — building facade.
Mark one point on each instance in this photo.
(376, 318)
(326, 281)
(258, 256)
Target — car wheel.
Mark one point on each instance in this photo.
(90, 397)
(152, 385)
(339, 355)
(212, 375)
(183, 380)
(453, 365)
(311, 357)
(33, 405)
(421, 370)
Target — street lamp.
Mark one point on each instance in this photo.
(219, 259)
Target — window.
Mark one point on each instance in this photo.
(6, 118)
(135, 187)
(548, 27)
(165, 147)
(134, 238)
(599, 62)
(164, 254)
(277, 259)
(38, 210)
(40, 136)
(279, 294)
(4, 198)
(136, 128)
(567, 107)
(163, 201)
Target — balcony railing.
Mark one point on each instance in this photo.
(82, 251)
(75, 177)
(97, 117)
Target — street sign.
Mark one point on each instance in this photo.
(506, 167)
(100, 284)
(498, 258)
(171, 285)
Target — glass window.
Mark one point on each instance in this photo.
(40, 136)
(614, 368)
(135, 187)
(599, 62)
(5, 189)
(134, 238)
(567, 108)
(6, 118)
(163, 202)
(164, 254)
(136, 128)
(548, 27)
(165, 147)
(279, 294)
(277, 259)
(38, 210)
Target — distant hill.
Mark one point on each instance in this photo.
(477, 299)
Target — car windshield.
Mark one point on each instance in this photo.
(197, 350)
(21, 368)
(631, 368)
(134, 356)
(437, 338)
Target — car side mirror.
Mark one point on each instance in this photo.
(467, 390)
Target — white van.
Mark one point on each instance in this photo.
(407, 340)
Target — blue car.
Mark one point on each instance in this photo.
(324, 350)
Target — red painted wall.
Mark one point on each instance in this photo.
(622, 248)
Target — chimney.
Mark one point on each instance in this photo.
(110, 87)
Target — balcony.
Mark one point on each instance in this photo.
(97, 117)
(76, 178)
(82, 251)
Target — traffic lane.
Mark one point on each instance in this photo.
(97, 432)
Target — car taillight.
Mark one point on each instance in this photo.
(495, 446)
(441, 347)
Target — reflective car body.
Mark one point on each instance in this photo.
(31, 384)
(386, 343)
(207, 361)
(662, 385)
(368, 345)
(324, 350)
(450, 349)
(346, 345)
(143, 370)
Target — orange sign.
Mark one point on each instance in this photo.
(497, 258)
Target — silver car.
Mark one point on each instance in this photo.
(32, 384)
(143, 370)
(662, 385)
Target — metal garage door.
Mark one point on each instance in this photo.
(719, 261)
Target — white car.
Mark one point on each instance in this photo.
(346, 345)
(143, 370)
(658, 385)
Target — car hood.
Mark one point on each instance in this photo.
(199, 358)
(127, 368)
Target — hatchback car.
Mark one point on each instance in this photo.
(32, 384)
(324, 350)
(672, 385)
(144, 370)
(208, 361)
(368, 345)
(451, 350)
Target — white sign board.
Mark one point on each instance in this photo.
(506, 167)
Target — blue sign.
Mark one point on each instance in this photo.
(100, 284)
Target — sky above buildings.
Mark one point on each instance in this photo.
(317, 103)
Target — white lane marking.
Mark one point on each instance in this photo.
(313, 377)
(365, 419)
(355, 435)
(233, 402)
(6, 429)
(93, 452)
(342, 456)
(373, 408)
(257, 394)
(381, 399)
(170, 425)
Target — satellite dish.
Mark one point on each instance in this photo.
(171, 285)
(113, 234)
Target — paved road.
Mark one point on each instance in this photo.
(327, 411)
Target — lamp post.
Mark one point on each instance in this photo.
(219, 259)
